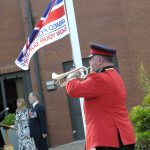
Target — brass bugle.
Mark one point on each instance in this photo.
(83, 70)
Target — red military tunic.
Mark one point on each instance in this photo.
(105, 108)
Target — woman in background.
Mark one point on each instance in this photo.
(22, 123)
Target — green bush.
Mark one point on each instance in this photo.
(140, 117)
(140, 114)
(143, 140)
(9, 119)
(146, 100)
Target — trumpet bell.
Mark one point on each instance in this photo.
(55, 76)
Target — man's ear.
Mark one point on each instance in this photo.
(100, 61)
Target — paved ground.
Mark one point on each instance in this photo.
(79, 145)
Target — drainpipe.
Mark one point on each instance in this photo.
(35, 56)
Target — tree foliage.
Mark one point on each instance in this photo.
(140, 114)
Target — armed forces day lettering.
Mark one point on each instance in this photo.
(51, 27)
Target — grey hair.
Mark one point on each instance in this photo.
(35, 94)
(108, 58)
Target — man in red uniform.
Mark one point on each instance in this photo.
(107, 123)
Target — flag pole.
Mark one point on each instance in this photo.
(76, 53)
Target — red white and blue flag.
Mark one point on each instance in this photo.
(51, 27)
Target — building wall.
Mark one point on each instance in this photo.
(123, 25)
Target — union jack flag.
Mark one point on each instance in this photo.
(51, 27)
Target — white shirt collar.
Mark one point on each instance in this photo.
(34, 104)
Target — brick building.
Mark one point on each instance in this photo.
(123, 25)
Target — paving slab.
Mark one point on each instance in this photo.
(78, 145)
